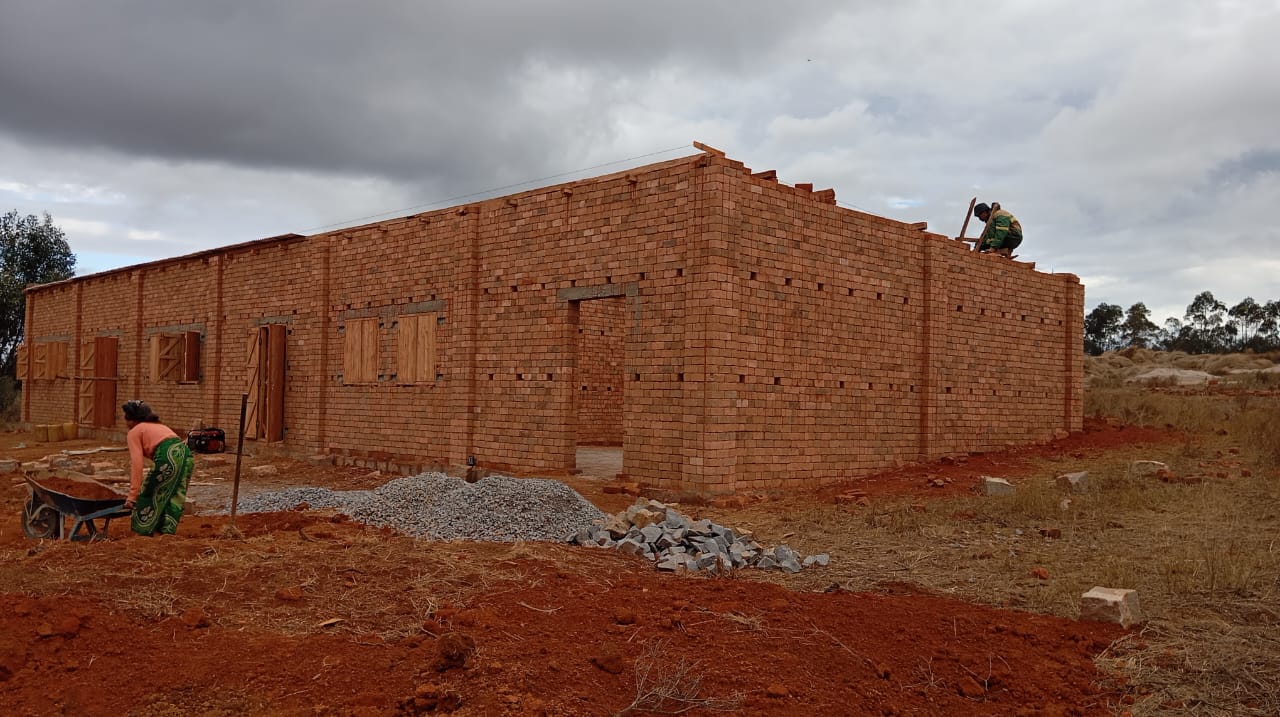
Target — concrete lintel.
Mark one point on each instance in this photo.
(393, 310)
(52, 339)
(604, 291)
(266, 320)
(175, 329)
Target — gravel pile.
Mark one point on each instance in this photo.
(441, 507)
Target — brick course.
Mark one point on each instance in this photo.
(757, 335)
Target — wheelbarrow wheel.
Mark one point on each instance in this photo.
(39, 520)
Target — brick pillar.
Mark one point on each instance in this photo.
(710, 412)
(1073, 353)
(464, 318)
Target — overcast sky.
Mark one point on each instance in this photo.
(1138, 142)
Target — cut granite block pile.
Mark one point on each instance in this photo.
(672, 540)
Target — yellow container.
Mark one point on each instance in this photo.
(55, 432)
(42, 433)
(70, 431)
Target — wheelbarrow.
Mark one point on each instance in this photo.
(47, 511)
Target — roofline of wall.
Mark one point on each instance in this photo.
(705, 153)
(229, 249)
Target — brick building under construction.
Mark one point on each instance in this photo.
(728, 331)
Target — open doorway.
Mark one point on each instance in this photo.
(598, 391)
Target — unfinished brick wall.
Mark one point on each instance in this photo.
(601, 352)
(760, 336)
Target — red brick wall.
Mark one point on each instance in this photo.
(601, 351)
(758, 335)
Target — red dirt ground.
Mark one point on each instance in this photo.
(566, 638)
(961, 474)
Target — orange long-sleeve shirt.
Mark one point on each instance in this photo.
(143, 439)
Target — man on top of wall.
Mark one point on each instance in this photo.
(1003, 233)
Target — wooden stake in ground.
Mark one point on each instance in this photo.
(231, 531)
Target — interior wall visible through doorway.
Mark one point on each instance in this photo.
(601, 358)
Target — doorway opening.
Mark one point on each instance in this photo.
(600, 345)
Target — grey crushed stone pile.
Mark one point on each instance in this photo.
(441, 507)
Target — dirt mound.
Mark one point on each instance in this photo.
(85, 490)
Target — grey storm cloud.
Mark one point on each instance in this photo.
(1135, 141)
(394, 89)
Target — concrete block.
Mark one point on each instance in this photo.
(1075, 482)
(1115, 605)
(996, 486)
(9, 465)
(111, 473)
(267, 470)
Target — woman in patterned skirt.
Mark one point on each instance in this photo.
(157, 500)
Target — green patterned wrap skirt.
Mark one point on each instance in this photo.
(164, 489)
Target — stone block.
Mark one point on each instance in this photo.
(1115, 605)
(630, 547)
(651, 533)
(676, 521)
(644, 517)
(701, 527)
(790, 565)
(1075, 482)
(111, 473)
(214, 461)
(267, 470)
(1144, 469)
(821, 560)
(9, 465)
(616, 526)
(996, 486)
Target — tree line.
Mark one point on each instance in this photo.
(1207, 327)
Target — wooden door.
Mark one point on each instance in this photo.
(264, 383)
(104, 381)
(84, 393)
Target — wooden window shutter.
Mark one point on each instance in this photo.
(21, 351)
(417, 350)
(191, 356)
(360, 351)
(40, 361)
(153, 362)
(59, 360)
(407, 355)
(426, 348)
(87, 354)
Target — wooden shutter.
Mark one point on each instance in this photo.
(191, 356)
(153, 363)
(21, 351)
(40, 361)
(170, 357)
(105, 369)
(253, 382)
(58, 360)
(417, 349)
(84, 391)
(272, 414)
(360, 351)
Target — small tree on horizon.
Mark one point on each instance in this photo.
(32, 251)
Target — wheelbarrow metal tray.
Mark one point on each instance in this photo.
(47, 509)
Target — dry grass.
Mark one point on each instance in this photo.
(1204, 557)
